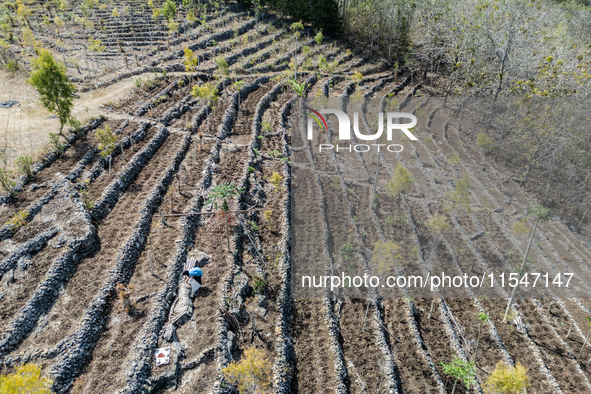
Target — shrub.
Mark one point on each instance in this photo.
(222, 65)
(507, 379)
(54, 139)
(259, 285)
(266, 127)
(437, 223)
(357, 77)
(319, 37)
(401, 181)
(519, 228)
(6, 181)
(25, 164)
(252, 374)
(18, 220)
(276, 180)
(460, 370)
(386, 255)
(485, 142)
(460, 198)
(26, 379)
(268, 214)
(107, 140)
(346, 251)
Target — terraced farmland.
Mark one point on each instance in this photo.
(93, 223)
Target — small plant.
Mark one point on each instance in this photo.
(400, 182)
(250, 170)
(6, 181)
(346, 251)
(222, 65)
(259, 285)
(18, 220)
(460, 198)
(276, 181)
(107, 143)
(357, 77)
(124, 291)
(462, 371)
(386, 255)
(219, 196)
(437, 223)
(268, 214)
(390, 221)
(88, 203)
(25, 164)
(299, 88)
(485, 142)
(266, 127)
(254, 225)
(507, 379)
(54, 139)
(319, 37)
(252, 374)
(519, 228)
(275, 153)
(482, 318)
(454, 159)
(26, 379)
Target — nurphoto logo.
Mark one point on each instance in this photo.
(393, 120)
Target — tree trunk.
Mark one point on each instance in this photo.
(478, 342)
(227, 229)
(583, 347)
(531, 240)
(375, 183)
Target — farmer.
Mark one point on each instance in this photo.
(194, 273)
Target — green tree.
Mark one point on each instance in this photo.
(207, 92)
(506, 379)
(460, 198)
(54, 87)
(107, 143)
(26, 379)
(461, 370)
(169, 10)
(191, 61)
(219, 196)
(401, 181)
(222, 65)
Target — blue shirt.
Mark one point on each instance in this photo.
(195, 272)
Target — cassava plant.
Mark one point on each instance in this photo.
(219, 196)
(461, 371)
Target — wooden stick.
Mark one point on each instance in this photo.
(380, 323)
